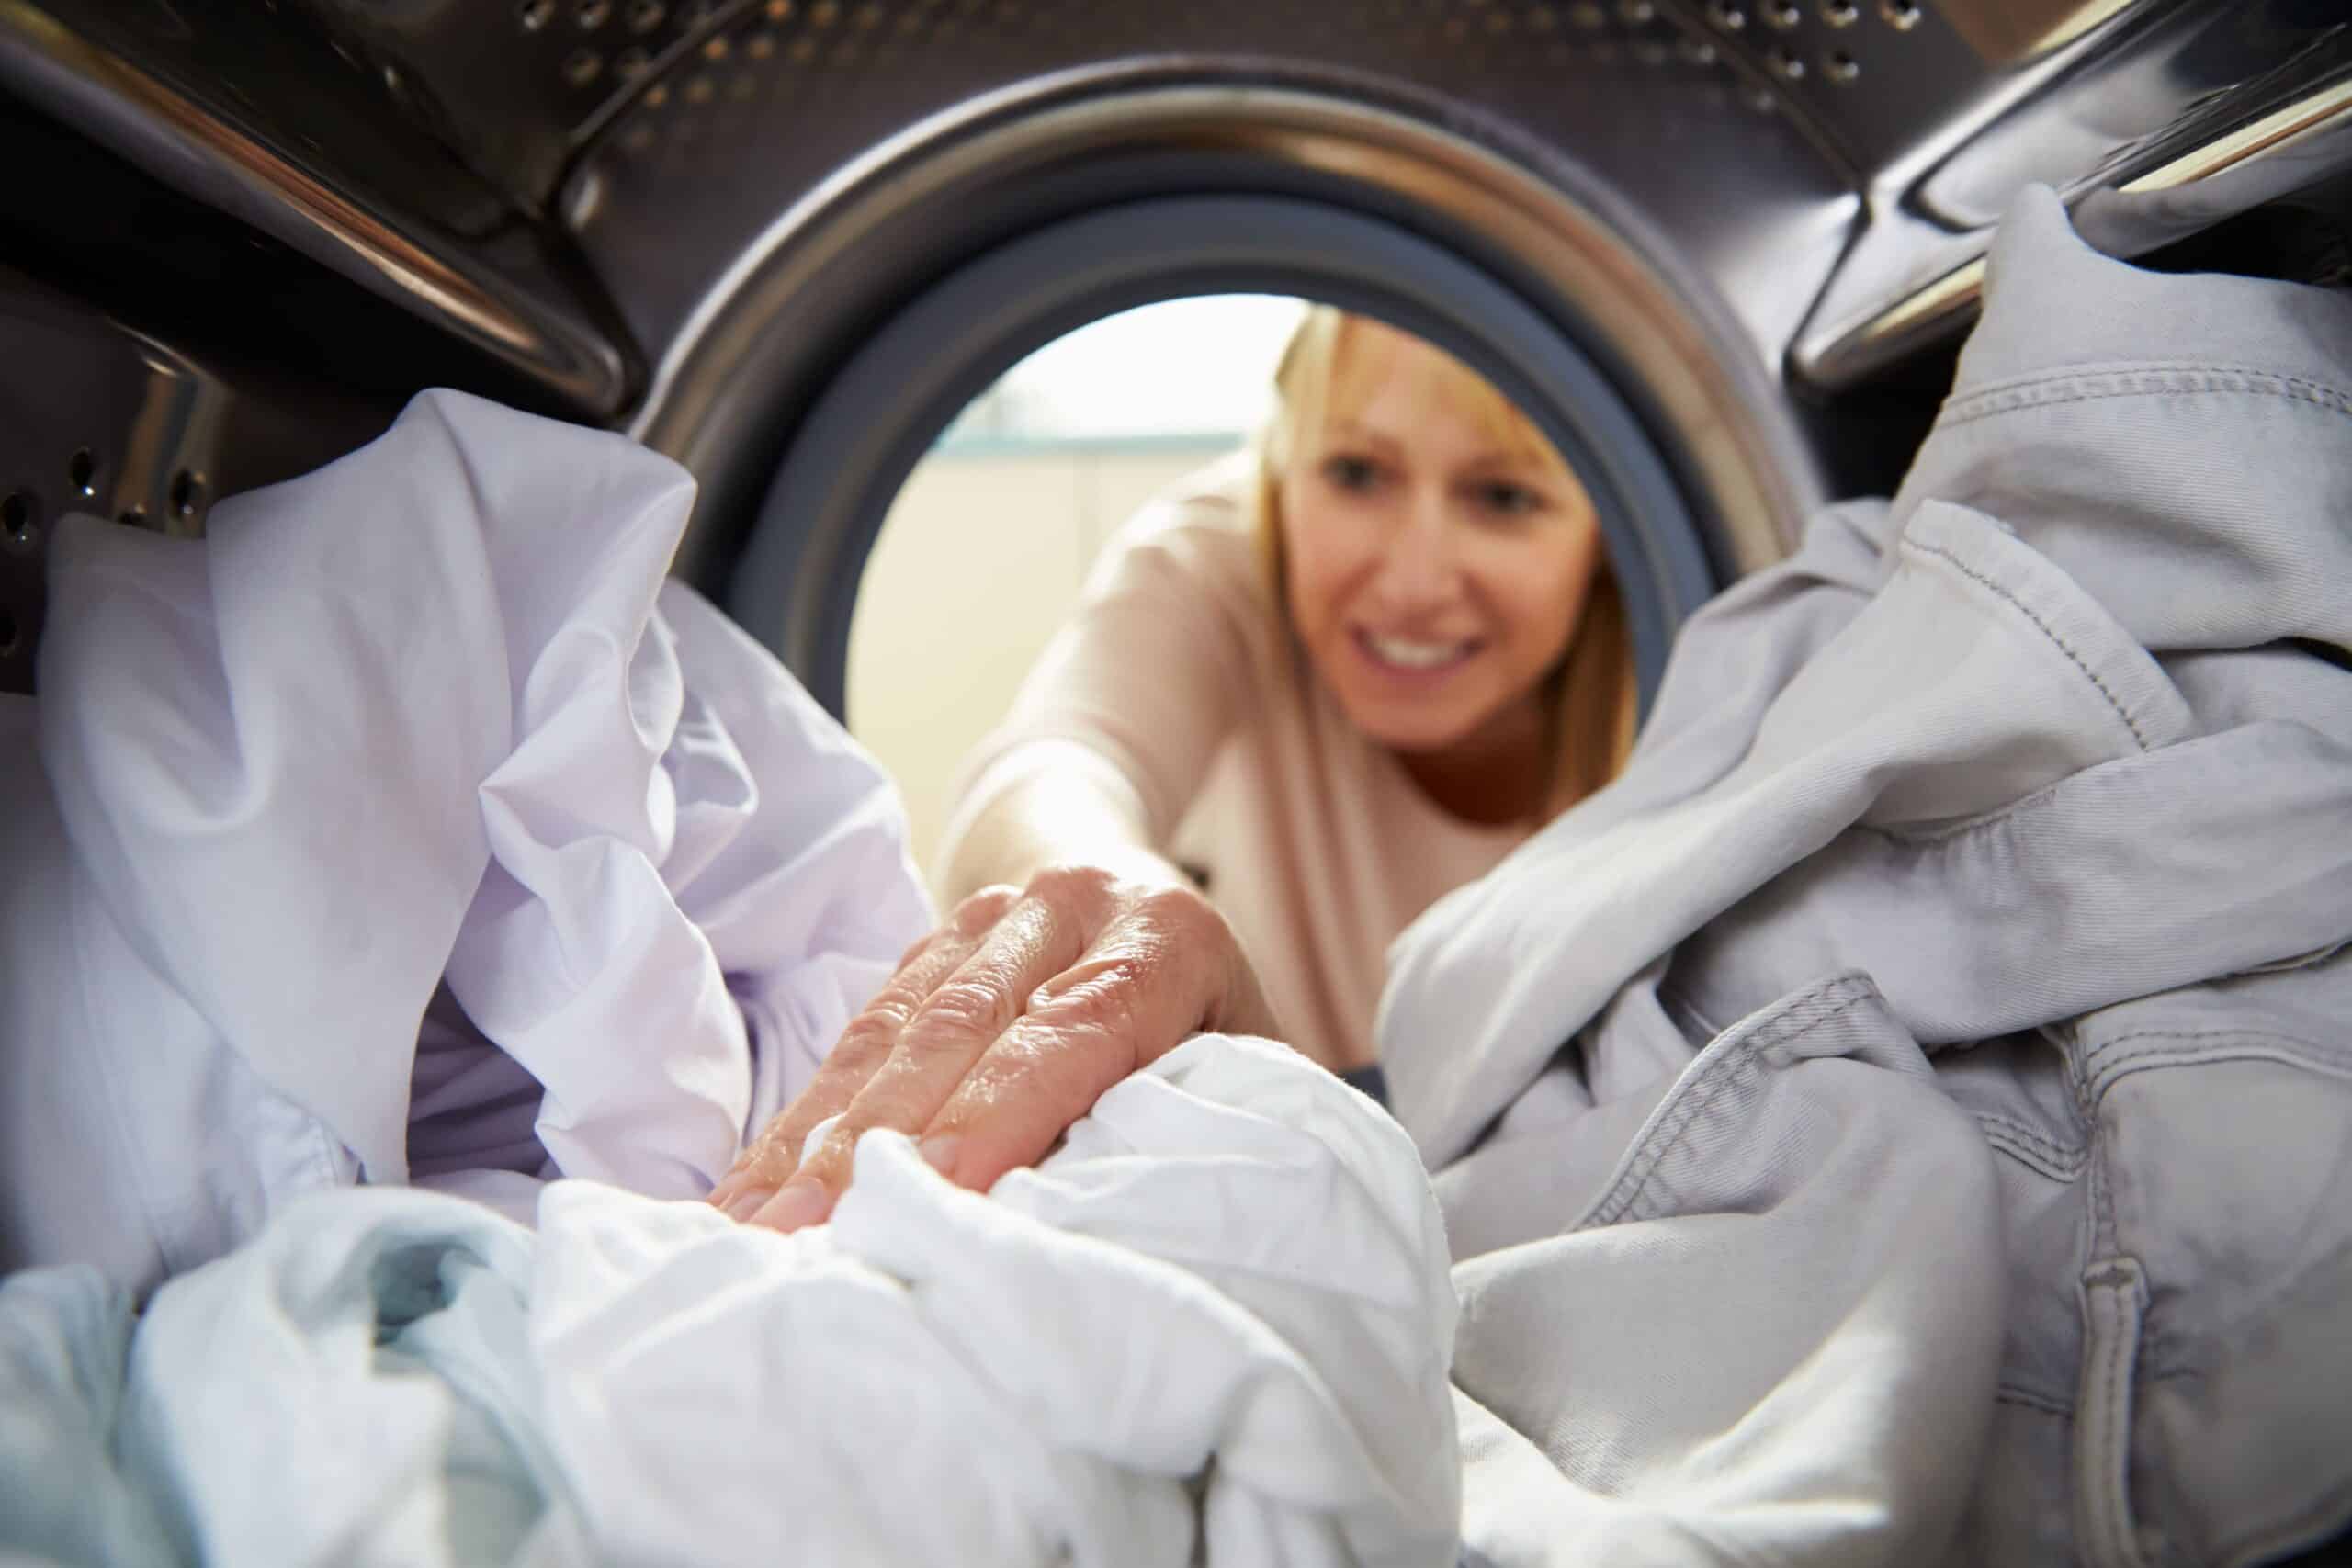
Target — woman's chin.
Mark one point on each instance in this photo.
(1412, 728)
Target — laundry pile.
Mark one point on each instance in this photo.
(1216, 1321)
(409, 829)
(1904, 1119)
(1908, 1113)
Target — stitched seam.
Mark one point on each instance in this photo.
(2183, 367)
(2252, 1046)
(2053, 1159)
(2147, 1061)
(1697, 1099)
(2112, 1473)
(1942, 833)
(2060, 643)
(2189, 375)
(2111, 1064)
(1992, 1121)
(2254, 384)
(2109, 1497)
(2272, 1036)
(1723, 1076)
(2041, 1403)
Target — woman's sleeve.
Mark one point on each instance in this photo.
(1149, 674)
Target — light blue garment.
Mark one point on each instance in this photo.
(355, 1386)
(64, 1341)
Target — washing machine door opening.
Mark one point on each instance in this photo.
(795, 584)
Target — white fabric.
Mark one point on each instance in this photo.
(424, 723)
(1904, 1118)
(1218, 1319)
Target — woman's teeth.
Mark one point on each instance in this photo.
(1408, 655)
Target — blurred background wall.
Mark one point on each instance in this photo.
(983, 553)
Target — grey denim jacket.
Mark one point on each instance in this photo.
(1951, 1156)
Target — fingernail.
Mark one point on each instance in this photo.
(940, 1150)
(746, 1203)
(795, 1204)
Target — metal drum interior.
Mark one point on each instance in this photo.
(243, 235)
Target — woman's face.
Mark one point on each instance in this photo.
(1434, 572)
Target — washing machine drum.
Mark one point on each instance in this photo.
(1719, 251)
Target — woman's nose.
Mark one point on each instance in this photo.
(1416, 567)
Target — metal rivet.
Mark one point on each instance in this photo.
(631, 62)
(1698, 51)
(590, 15)
(532, 15)
(869, 16)
(657, 95)
(1841, 68)
(824, 14)
(779, 10)
(717, 48)
(644, 15)
(1783, 14)
(1900, 15)
(81, 469)
(1760, 99)
(187, 493)
(1636, 13)
(1588, 15)
(1840, 13)
(759, 46)
(134, 517)
(1727, 15)
(698, 90)
(583, 67)
(1785, 65)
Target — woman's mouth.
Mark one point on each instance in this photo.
(1415, 657)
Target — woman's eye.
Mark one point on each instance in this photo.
(1348, 473)
(1503, 498)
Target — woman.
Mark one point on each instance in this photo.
(1356, 671)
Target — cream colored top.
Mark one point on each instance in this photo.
(1317, 845)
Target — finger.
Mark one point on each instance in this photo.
(1039, 937)
(768, 1161)
(1156, 978)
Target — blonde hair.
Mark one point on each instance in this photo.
(1589, 695)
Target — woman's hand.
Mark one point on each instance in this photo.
(1003, 1028)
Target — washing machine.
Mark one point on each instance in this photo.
(1722, 249)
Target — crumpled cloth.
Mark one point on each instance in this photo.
(1217, 1320)
(409, 826)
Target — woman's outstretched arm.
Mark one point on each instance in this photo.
(1076, 951)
